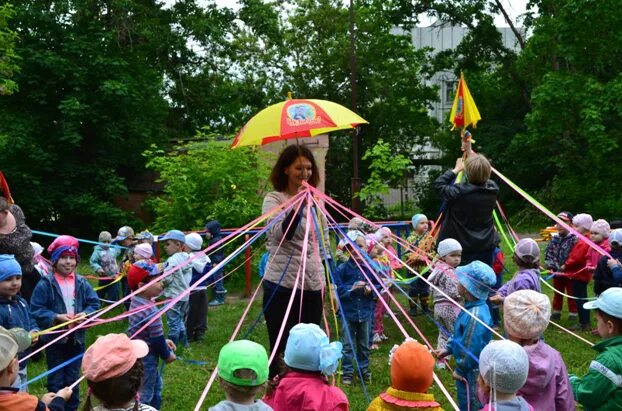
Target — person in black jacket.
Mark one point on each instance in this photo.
(469, 206)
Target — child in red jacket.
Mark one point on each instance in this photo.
(576, 268)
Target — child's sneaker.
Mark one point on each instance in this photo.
(376, 338)
(383, 337)
(441, 365)
(346, 380)
(556, 316)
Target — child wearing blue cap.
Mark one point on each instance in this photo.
(470, 335)
(14, 310)
(601, 387)
(175, 283)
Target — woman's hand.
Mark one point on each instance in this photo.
(459, 166)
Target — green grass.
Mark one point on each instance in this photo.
(183, 382)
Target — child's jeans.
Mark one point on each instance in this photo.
(176, 318)
(563, 284)
(217, 280)
(579, 290)
(470, 403)
(358, 332)
(151, 391)
(57, 354)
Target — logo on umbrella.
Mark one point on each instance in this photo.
(299, 114)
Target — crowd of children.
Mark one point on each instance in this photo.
(521, 372)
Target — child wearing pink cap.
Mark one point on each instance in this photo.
(576, 268)
(114, 371)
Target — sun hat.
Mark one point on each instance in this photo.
(124, 232)
(504, 366)
(527, 250)
(138, 272)
(601, 227)
(583, 221)
(448, 246)
(104, 237)
(174, 235)
(416, 218)
(308, 349)
(143, 250)
(412, 367)
(477, 277)
(12, 341)
(9, 266)
(194, 241)
(615, 238)
(609, 302)
(243, 354)
(526, 314)
(112, 356)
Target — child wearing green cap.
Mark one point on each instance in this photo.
(242, 374)
(601, 388)
(12, 342)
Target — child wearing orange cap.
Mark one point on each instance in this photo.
(409, 383)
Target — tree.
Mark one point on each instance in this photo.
(8, 56)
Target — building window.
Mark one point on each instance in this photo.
(450, 92)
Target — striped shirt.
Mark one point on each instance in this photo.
(139, 318)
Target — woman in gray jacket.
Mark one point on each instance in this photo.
(285, 240)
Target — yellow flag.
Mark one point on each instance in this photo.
(464, 112)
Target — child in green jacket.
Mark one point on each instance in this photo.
(601, 388)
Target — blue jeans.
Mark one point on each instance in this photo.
(216, 279)
(359, 333)
(151, 392)
(57, 354)
(463, 402)
(176, 317)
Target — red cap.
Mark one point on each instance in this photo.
(136, 275)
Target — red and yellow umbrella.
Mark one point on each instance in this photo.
(295, 118)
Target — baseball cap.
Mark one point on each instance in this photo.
(112, 356)
(194, 241)
(174, 235)
(239, 355)
(145, 235)
(124, 232)
(615, 238)
(609, 302)
(12, 341)
(527, 250)
(566, 216)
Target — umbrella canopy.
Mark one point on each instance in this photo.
(295, 118)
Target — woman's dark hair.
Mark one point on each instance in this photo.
(118, 391)
(286, 159)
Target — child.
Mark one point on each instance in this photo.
(125, 238)
(443, 277)
(216, 255)
(475, 280)
(420, 240)
(357, 304)
(412, 368)
(599, 234)
(11, 342)
(14, 310)
(608, 272)
(576, 269)
(341, 253)
(104, 262)
(526, 316)
(197, 314)
(114, 371)
(58, 298)
(555, 257)
(527, 259)
(175, 283)
(310, 359)
(503, 367)
(380, 264)
(143, 252)
(143, 309)
(42, 265)
(242, 374)
(600, 388)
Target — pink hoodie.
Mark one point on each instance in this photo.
(306, 392)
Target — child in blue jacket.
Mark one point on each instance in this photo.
(470, 336)
(14, 310)
(357, 303)
(58, 298)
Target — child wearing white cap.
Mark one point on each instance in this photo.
(601, 387)
(526, 317)
(503, 368)
(444, 278)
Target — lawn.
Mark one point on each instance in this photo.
(184, 381)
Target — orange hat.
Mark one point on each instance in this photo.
(112, 356)
(412, 368)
